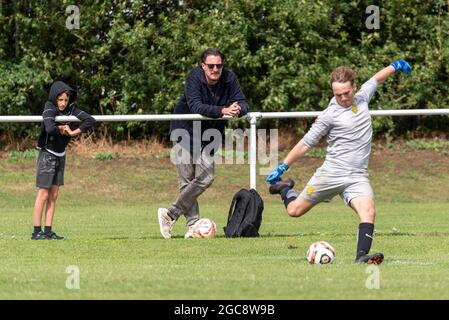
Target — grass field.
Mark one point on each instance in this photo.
(107, 211)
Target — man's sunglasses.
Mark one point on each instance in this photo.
(212, 65)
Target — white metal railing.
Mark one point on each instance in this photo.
(251, 116)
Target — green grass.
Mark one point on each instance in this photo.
(21, 156)
(436, 144)
(104, 155)
(107, 211)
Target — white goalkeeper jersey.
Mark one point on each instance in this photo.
(349, 133)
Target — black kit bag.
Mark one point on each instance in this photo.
(245, 215)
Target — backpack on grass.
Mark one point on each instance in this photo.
(245, 214)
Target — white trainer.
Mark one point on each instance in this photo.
(189, 233)
(165, 222)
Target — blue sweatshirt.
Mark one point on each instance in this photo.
(200, 98)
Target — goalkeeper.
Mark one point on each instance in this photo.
(347, 124)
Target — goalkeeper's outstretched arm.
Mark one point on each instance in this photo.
(395, 66)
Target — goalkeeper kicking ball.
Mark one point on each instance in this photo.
(320, 252)
(204, 228)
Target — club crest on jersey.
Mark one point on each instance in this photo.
(309, 190)
(354, 108)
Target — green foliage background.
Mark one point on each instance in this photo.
(131, 57)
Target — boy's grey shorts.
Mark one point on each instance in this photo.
(324, 188)
(50, 170)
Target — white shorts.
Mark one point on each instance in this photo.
(324, 188)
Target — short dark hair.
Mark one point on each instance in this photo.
(211, 52)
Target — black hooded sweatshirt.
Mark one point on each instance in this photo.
(50, 138)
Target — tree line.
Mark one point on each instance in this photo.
(132, 57)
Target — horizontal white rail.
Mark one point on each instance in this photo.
(111, 118)
(251, 116)
(410, 112)
(309, 114)
(258, 115)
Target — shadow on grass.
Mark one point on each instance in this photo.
(286, 235)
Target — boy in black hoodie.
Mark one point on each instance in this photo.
(53, 140)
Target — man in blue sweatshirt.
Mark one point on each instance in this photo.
(212, 91)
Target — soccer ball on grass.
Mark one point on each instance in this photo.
(320, 252)
(204, 228)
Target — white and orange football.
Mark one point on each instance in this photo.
(204, 228)
(320, 252)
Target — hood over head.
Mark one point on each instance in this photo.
(59, 87)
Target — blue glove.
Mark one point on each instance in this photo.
(276, 174)
(401, 65)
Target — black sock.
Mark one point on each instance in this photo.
(37, 229)
(288, 195)
(364, 238)
(47, 229)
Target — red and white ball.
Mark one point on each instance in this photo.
(204, 228)
(320, 252)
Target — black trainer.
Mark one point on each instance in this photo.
(38, 236)
(53, 236)
(278, 186)
(376, 258)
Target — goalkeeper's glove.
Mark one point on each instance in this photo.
(401, 65)
(277, 173)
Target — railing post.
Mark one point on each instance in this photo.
(253, 116)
